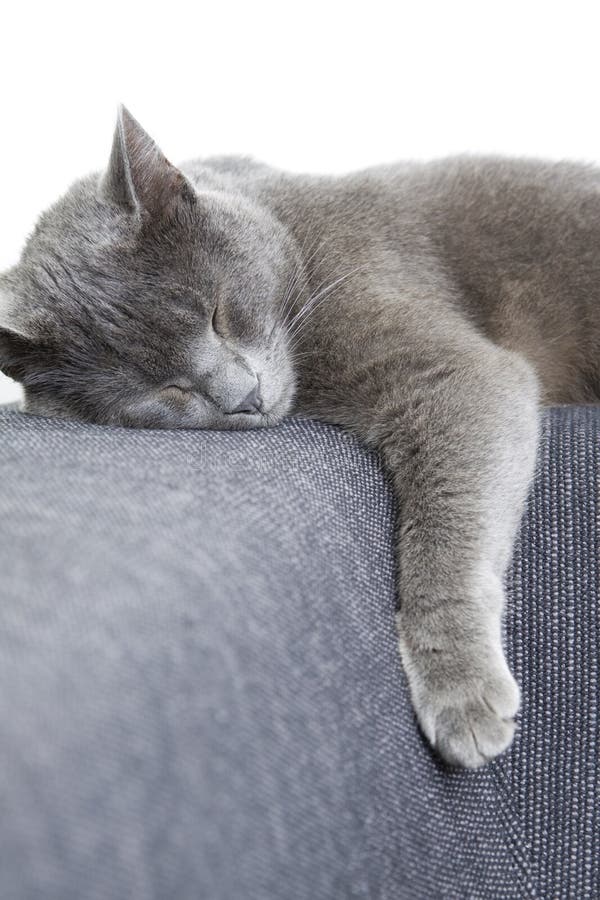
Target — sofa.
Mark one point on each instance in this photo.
(200, 691)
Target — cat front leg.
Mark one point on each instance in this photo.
(460, 442)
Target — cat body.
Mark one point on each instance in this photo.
(428, 308)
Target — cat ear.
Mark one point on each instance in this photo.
(16, 344)
(139, 177)
(9, 315)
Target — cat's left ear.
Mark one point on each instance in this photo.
(17, 343)
(139, 177)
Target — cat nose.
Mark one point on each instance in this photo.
(252, 403)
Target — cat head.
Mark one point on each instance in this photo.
(139, 300)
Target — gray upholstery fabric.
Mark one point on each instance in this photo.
(200, 695)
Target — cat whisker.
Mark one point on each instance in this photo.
(292, 291)
(315, 301)
(300, 269)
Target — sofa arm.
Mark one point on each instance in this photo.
(201, 694)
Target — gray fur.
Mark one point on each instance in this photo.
(428, 308)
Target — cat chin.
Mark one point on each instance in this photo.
(244, 422)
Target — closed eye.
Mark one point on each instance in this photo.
(176, 392)
(218, 322)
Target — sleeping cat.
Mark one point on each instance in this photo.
(428, 308)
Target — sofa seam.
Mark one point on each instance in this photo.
(514, 834)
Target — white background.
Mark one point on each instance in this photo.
(312, 86)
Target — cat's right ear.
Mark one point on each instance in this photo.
(139, 177)
(17, 344)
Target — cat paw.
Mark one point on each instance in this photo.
(469, 721)
(472, 732)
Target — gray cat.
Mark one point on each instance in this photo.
(428, 308)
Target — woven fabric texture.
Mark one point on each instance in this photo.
(200, 695)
